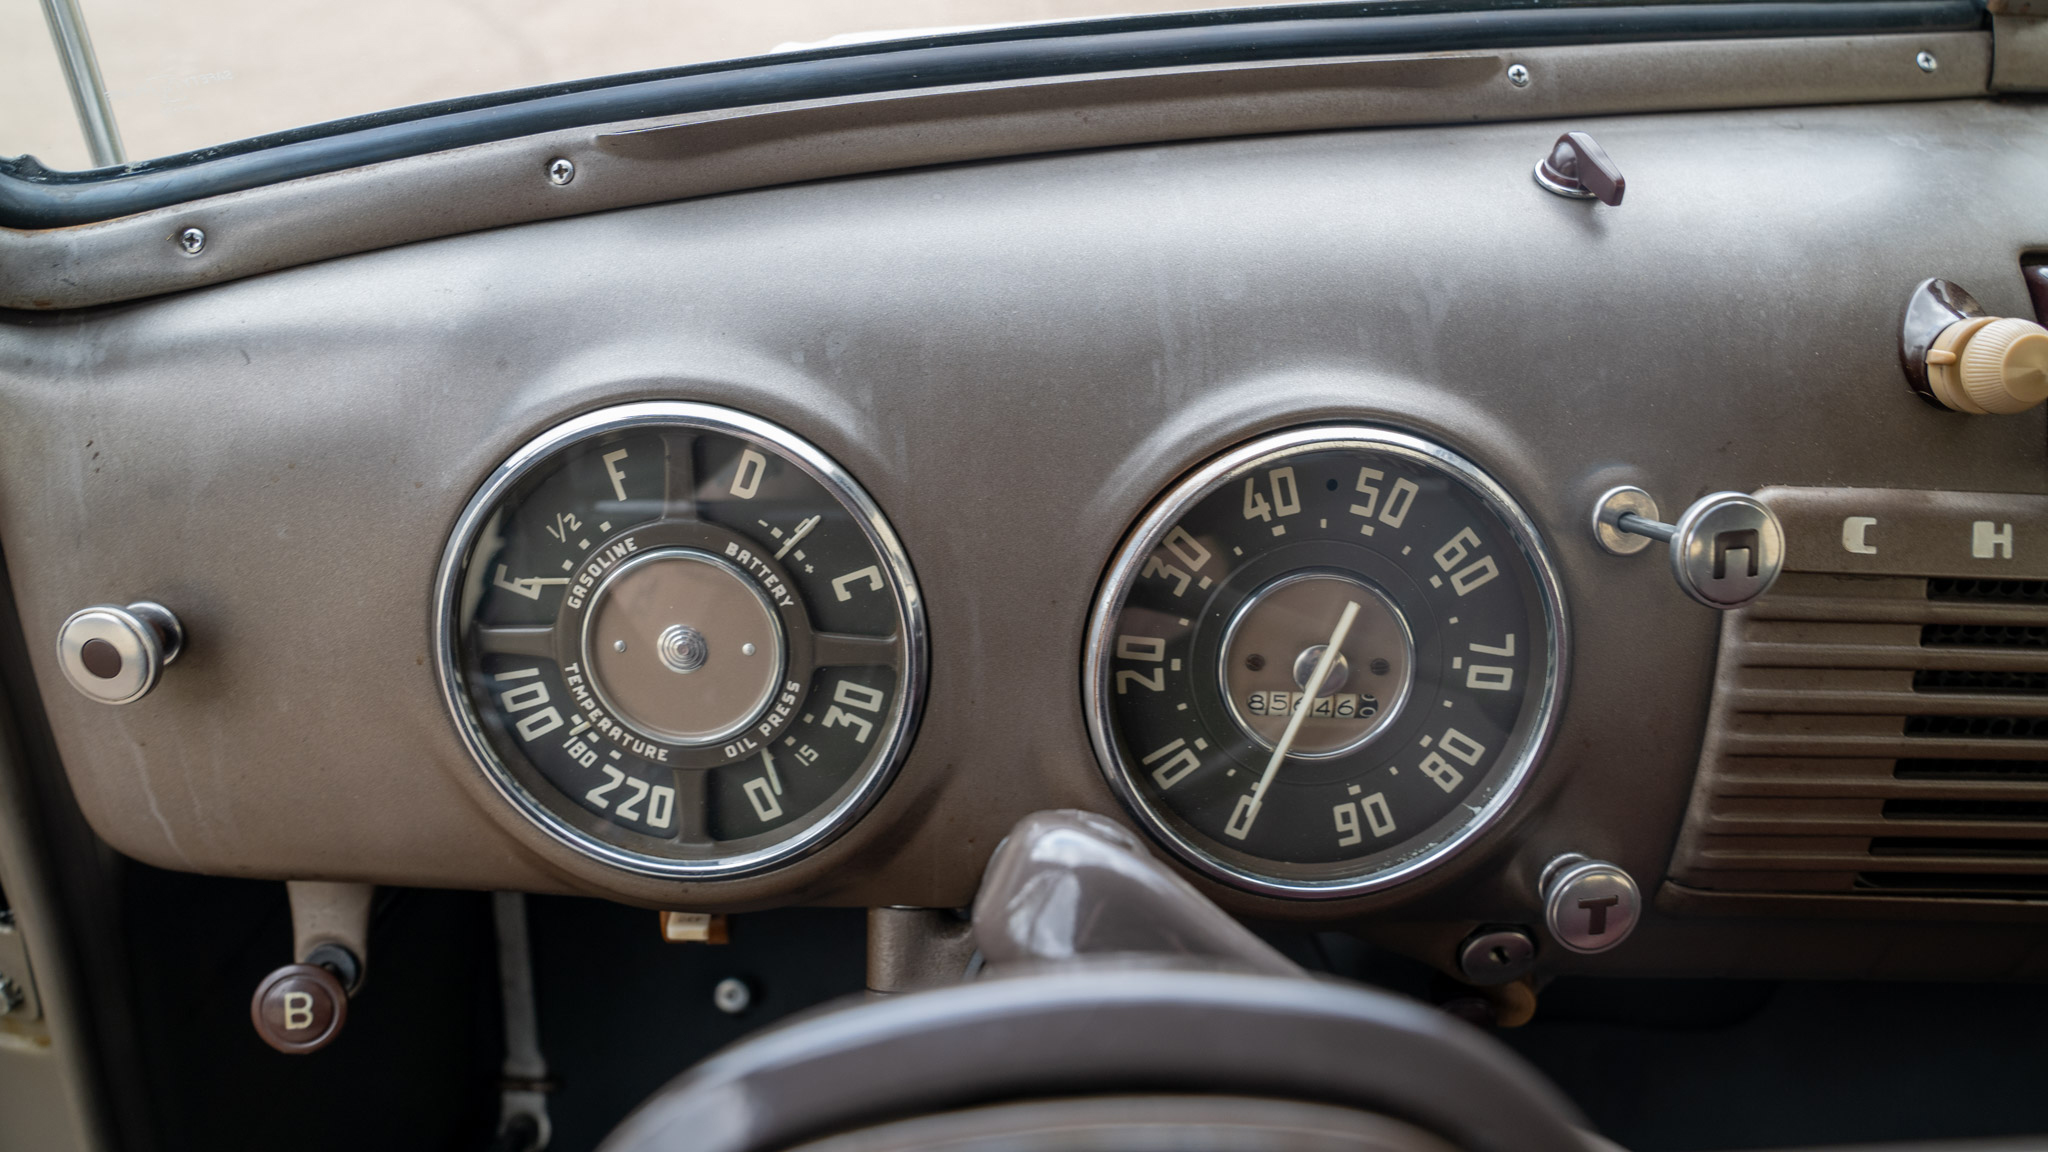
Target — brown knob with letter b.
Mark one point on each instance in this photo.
(299, 1008)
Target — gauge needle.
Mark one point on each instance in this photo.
(1248, 808)
(802, 530)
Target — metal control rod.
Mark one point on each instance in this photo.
(523, 1124)
(1655, 530)
(82, 74)
(1726, 549)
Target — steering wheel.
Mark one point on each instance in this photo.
(1118, 1009)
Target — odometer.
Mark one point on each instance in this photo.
(680, 639)
(1325, 661)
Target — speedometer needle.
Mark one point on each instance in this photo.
(1240, 824)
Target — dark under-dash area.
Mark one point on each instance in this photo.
(1656, 1065)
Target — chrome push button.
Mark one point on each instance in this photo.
(115, 655)
(1589, 905)
(1727, 549)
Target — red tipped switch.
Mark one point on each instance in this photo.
(1579, 168)
(299, 1008)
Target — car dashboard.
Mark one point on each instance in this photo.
(727, 512)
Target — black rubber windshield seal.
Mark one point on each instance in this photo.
(32, 196)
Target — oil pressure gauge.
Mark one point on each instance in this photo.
(680, 640)
(1325, 661)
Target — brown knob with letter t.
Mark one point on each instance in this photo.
(299, 1008)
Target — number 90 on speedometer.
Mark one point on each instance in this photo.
(1325, 661)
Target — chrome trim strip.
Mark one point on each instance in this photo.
(33, 197)
(278, 225)
(1232, 465)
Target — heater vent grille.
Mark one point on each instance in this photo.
(1881, 736)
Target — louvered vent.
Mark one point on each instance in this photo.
(1882, 736)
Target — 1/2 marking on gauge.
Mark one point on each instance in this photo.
(565, 523)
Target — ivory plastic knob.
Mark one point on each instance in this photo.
(1989, 365)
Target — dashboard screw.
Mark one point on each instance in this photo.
(193, 241)
(1926, 61)
(1519, 75)
(1255, 662)
(732, 996)
(560, 171)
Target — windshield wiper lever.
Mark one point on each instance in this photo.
(1579, 168)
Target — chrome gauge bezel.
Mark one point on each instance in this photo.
(1232, 466)
(650, 415)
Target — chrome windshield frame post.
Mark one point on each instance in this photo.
(82, 76)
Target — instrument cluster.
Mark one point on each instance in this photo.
(683, 641)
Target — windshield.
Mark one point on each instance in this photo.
(184, 76)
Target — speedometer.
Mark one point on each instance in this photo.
(1325, 661)
(680, 639)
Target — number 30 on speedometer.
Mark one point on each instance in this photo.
(1325, 661)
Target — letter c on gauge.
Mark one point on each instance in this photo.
(1853, 529)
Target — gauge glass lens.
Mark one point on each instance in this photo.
(1325, 661)
(681, 639)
